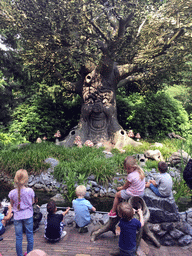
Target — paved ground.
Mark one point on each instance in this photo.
(75, 244)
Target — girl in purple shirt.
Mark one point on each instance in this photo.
(134, 185)
(22, 199)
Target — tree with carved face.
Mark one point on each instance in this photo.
(91, 48)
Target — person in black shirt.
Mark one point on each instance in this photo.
(54, 224)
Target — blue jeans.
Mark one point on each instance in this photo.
(128, 253)
(28, 223)
(155, 190)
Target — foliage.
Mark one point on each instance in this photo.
(153, 115)
(53, 37)
(42, 114)
(10, 139)
(71, 179)
(87, 161)
(76, 164)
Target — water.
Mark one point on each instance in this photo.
(101, 204)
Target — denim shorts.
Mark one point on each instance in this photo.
(128, 253)
(2, 230)
(124, 194)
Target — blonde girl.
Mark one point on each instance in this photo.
(134, 185)
(22, 199)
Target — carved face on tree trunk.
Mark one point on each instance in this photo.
(99, 105)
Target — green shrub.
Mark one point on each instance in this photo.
(12, 138)
(42, 116)
(153, 116)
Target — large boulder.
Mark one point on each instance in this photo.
(179, 158)
(161, 209)
(154, 155)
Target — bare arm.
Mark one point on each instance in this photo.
(11, 202)
(93, 209)
(140, 213)
(65, 212)
(9, 214)
(153, 182)
(125, 186)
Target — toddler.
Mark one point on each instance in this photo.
(82, 207)
(54, 224)
(128, 228)
(134, 185)
(162, 186)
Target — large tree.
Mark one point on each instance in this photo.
(93, 47)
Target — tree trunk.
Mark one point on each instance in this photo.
(98, 122)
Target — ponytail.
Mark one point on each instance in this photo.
(19, 197)
(141, 172)
(21, 179)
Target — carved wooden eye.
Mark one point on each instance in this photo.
(88, 79)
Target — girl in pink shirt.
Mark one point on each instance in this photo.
(134, 186)
(22, 199)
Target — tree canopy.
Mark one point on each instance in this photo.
(58, 40)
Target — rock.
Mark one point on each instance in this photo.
(87, 195)
(161, 209)
(96, 189)
(93, 183)
(91, 177)
(185, 240)
(154, 154)
(157, 144)
(52, 161)
(108, 154)
(167, 226)
(39, 186)
(167, 240)
(184, 227)
(175, 158)
(176, 234)
(58, 198)
(141, 159)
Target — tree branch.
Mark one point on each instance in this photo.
(140, 27)
(125, 70)
(132, 78)
(98, 30)
(69, 86)
(123, 24)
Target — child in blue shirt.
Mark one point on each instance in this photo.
(82, 209)
(128, 228)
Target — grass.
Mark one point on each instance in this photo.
(76, 164)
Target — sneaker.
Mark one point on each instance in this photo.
(112, 214)
(64, 233)
(83, 229)
(25, 254)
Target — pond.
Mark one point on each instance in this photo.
(103, 204)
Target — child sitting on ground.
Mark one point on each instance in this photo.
(134, 186)
(128, 228)
(162, 186)
(82, 207)
(37, 215)
(4, 219)
(54, 224)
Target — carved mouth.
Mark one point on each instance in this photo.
(98, 121)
